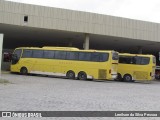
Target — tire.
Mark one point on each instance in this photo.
(82, 76)
(24, 71)
(128, 78)
(119, 77)
(70, 74)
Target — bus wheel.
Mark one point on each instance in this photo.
(119, 77)
(82, 76)
(70, 74)
(24, 71)
(128, 78)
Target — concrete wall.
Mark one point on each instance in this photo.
(76, 21)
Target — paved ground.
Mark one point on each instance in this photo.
(31, 93)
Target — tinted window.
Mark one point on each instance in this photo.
(17, 52)
(48, 54)
(37, 54)
(60, 55)
(103, 57)
(72, 56)
(84, 56)
(27, 54)
(126, 60)
(16, 56)
(134, 60)
(115, 56)
(145, 60)
(142, 60)
(95, 57)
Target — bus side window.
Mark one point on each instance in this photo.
(48, 54)
(27, 54)
(137, 60)
(37, 54)
(84, 56)
(103, 57)
(145, 61)
(125, 60)
(142, 60)
(72, 55)
(60, 55)
(133, 60)
(95, 57)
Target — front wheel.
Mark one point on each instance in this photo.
(24, 71)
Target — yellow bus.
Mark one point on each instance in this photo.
(66, 61)
(133, 67)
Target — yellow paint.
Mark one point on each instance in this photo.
(138, 72)
(63, 66)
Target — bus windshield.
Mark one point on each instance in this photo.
(16, 56)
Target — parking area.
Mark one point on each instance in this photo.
(56, 94)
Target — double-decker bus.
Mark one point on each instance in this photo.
(66, 61)
(133, 67)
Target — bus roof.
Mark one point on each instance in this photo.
(49, 48)
(60, 48)
(64, 48)
(129, 54)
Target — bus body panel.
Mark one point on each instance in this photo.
(138, 72)
(94, 70)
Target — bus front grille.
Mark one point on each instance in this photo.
(102, 74)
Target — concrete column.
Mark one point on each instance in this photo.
(1, 47)
(140, 50)
(86, 42)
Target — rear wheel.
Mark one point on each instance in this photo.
(82, 76)
(119, 77)
(128, 78)
(70, 74)
(24, 71)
